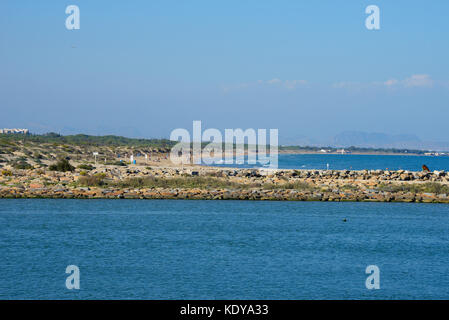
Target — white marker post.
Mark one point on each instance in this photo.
(95, 156)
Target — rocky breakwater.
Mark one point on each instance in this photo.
(211, 183)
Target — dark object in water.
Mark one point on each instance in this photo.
(425, 168)
(344, 220)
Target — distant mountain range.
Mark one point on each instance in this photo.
(383, 140)
(375, 140)
(370, 140)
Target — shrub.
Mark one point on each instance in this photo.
(62, 165)
(350, 187)
(100, 175)
(86, 167)
(117, 163)
(22, 165)
(188, 183)
(92, 181)
(6, 173)
(430, 187)
(217, 174)
(299, 185)
(37, 156)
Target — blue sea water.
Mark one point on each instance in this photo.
(187, 249)
(356, 162)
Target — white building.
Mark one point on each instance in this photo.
(22, 131)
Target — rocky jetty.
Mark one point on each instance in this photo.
(139, 182)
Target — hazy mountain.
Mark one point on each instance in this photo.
(367, 140)
(383, 140)
(298, 140)
(374, 140)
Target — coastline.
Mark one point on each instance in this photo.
(214, 183)
(359, 153)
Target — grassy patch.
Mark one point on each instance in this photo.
(428, 187)
(96, 180)
(6, 173)
(298, 185)
(169, 183)
(185, 183)
(350, 187)
(22, 165)
(87, 167)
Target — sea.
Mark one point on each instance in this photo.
(200, 249)
(354, 162)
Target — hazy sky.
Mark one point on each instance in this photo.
(144, 68)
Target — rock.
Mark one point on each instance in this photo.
(439, 173)
(36, 186)
(428, 194)
(405, 177)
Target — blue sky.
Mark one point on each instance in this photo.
(144, 68)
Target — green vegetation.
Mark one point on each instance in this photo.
(216, 174)
(9, 143)
(299, 186)
(350, 187)
(62, 165)
(22, 164)
(37, 156)
(66, 142)
(428, 187)
(187, 182)
(96, 180)
(6, 173)
(86, 167)
(116, 163)
(153, 182)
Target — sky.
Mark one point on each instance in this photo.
(144, 68)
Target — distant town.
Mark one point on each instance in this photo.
(20, 131)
